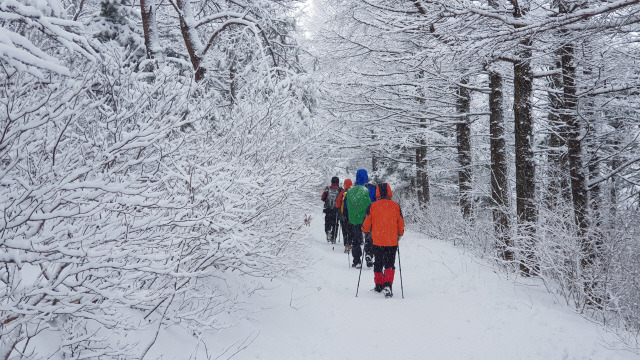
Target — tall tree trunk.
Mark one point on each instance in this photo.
(148, 8)
(558, 188)
(574, 140)
(576, 168)
(525, 164)
(374, 165)
(463, 137)
(422, 177)
(190, 36)
(613, 183)
(499, 180)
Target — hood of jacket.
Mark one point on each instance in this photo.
(347, 184)
(383, 190)
(362, 177)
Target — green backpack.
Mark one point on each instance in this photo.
(358, 202)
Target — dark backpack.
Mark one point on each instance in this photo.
(332, 196)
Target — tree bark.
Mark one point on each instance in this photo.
(558, 189)
(525, 164)
(190, 36)
(149, 26)
(499, 180)
(422, 177)
(463, 137)
(574, 140)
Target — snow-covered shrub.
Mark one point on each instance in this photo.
(127, 204)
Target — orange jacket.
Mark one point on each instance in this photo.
(343, 193)
(384, 218)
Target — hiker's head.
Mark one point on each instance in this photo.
(362, 177)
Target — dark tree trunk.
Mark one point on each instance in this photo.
(595, 193)
(559, 189)
(148, 11)
(613, 183)
(190, 36)
(499, 180)
(374, 164)
(422, 177)
(525, 164)
(232, 84)
(574, 140)
(463, 136)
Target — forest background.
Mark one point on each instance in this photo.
(156, 157)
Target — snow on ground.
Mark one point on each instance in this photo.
(454, 308)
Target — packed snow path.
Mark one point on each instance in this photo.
(454, 308)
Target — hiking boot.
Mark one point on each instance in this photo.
(346, 250)
(387, 292)
(368, 260)
(357, 266)
(328, 236)
(378, 288)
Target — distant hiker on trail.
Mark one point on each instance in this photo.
(342, 215)
(384, 221)
(358, 201)
(329, 196)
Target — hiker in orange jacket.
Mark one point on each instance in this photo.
(384, 221)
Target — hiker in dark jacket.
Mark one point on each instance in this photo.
(329, 196)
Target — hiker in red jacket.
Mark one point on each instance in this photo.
(343, 215)
(384, 221)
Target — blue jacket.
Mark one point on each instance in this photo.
(362, 177)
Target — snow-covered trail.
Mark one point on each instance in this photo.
(454, 308)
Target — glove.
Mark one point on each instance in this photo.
(399, 237)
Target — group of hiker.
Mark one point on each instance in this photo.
(366, 213)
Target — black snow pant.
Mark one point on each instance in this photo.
(331, 223)
(355, 236)
(344, 223)
(368, 245)
(385, 257)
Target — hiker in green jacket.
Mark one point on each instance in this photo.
(358, 202)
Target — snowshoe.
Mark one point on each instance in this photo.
(378, 288)
(387, 292)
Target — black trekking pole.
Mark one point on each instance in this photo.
(400, 266)
(358, 288)
(344, 242)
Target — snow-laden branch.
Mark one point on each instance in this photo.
(21, 53)
(621, 167)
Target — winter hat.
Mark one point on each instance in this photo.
(362, 177)
(347, 184)
(335, 180)
(383, 190)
